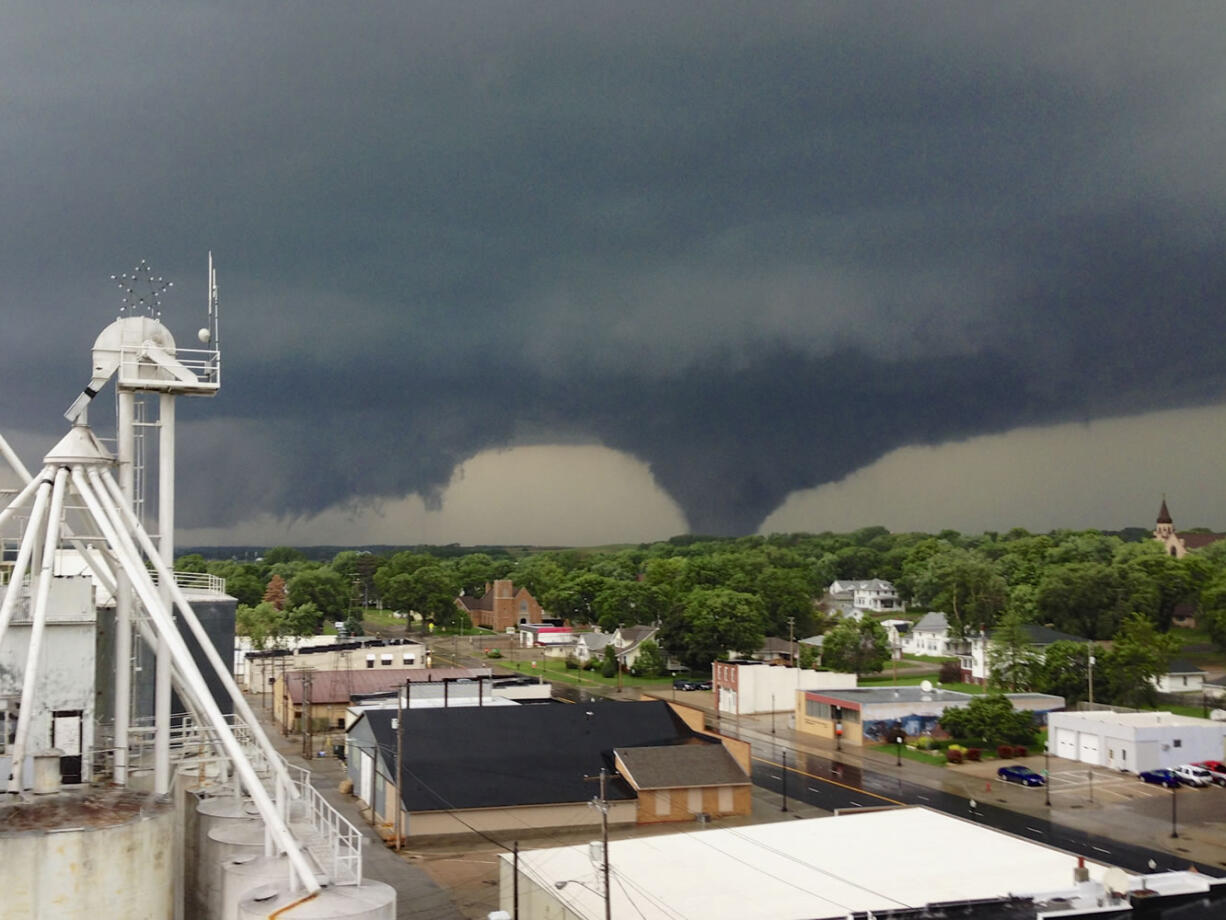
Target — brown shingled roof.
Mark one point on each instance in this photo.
(681, 765)
(1199, 540)
(1164, 516)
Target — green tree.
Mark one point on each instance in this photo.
(966, 586)
(322, 587)
(807, 658)
(649, 662)
(279, 554)
(1083, 598)
(432, 592)
(856, 647)
(260, 623)
(609, 666)
(303, 620)
(1139, 654)
(245, 588)
(1064, 671)
(1012, 660)
(192, 562)
(713, 622)
(991, 718)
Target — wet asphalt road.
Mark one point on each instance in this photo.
(831, 785)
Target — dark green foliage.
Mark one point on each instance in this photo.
(992, 719)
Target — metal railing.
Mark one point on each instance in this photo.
(199, 581)
(336, 845)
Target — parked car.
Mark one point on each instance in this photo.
(1191, 775)
(704, 685)
(684, 683)
(1020, 774)
(1160, 777)
(1217, 769)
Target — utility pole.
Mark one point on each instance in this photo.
(306, 714)
(602, 805)
(792, 640)
(399, 761)
(784, 777)
(1090, 672)
(515, 884)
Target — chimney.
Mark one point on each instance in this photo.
(1081, 873)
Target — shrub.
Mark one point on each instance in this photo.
(924, 743)
(950, 673)
(1004, 751)
(572, 663)
(1019, 751)
(973, 754)
(953, 756)
(493, 653)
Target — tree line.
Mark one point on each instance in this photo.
(711, 595)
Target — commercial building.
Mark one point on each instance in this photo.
(905, 862)
(747, 687)
(530, 767)
(873, 714)
(1135, 741)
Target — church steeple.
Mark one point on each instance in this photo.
(1166, 527)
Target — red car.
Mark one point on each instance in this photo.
(1217, 768)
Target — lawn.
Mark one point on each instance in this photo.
(554, 669)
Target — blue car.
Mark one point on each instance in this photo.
(1160, 777)
(1020, 774)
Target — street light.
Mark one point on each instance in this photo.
(785, 782)
(1174, 828)
(1046, 775)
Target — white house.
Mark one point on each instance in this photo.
(873, 594)
(930, 636)
(974, 660)
(1181, 677)
(1135, 741)
(590, 646)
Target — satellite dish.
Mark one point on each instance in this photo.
(926, 686)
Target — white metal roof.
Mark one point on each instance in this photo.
(1135, 719)
(821, 867)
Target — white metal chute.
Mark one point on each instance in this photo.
(26, 551)
(126, 552)
(106, 483)
(38, 621)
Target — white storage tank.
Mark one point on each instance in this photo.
(369, 901)
(92, 854)
(211, 813)
(225, 843)
(240, 877)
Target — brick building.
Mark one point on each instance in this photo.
(501, 607)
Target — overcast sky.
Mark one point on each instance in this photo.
(555, 272)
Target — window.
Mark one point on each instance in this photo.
(725, 800)
(664, 802)
(340, 723)
(386, 661)
(408, 659)
(694, 801)
(370, 661)
(1177, 742)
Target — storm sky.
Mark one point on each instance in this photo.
(554, 272)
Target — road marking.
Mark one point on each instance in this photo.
(924, 797)
(822, 779)
(1100, 849)
(856, 805)
(814, 789)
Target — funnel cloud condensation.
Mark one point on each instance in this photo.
(757, 248)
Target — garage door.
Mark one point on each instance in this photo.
(1066, 743)
(1088, 748)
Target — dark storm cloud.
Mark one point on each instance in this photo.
(756, 247)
